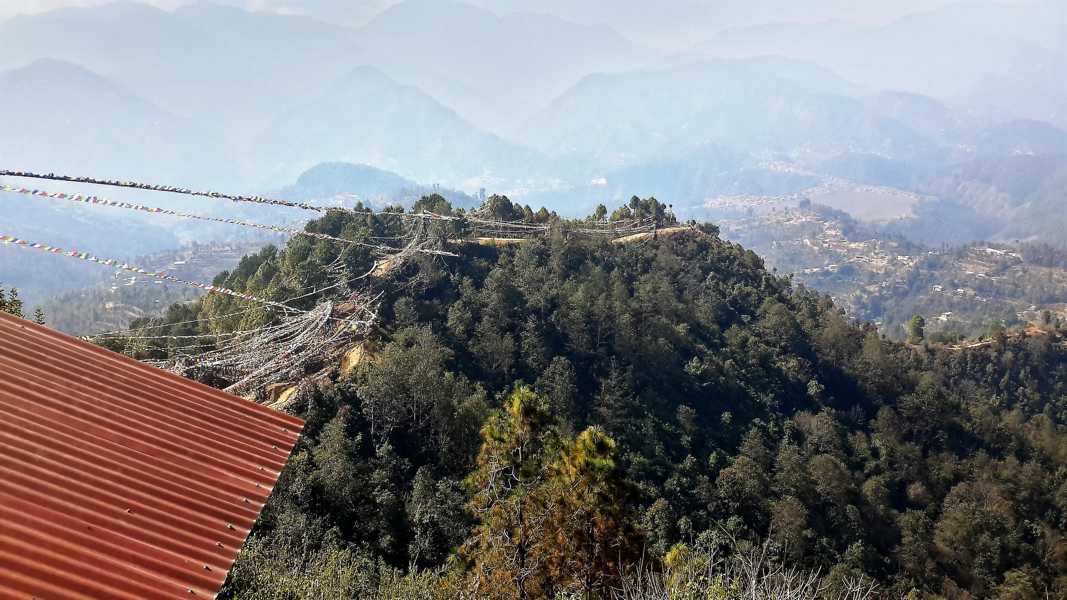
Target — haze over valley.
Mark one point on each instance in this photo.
(948, 127)
(533, 300)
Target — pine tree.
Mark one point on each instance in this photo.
(558, 384)
(553, 515)
(508, 500)
(11, 303)
(916, 329)
(593, 531)
(438, 521)
(616, 408)
(336, 470)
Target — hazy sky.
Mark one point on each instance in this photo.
(585, 10)
(672, 26)
(11, 7)
(323, 7)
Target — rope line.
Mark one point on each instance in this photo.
(124, 266)
(101, 201)
(163, 188)
(476, 218)
(297, 340)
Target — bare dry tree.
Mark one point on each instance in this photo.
(754, 574)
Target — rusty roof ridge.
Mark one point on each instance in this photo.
(137, 513)
(31, 561)
(121, 481)
(238, 486)
(133, 488)
(185, 386)
(32, 435)
(80, 400)
(229, 402)
(137, 550)
(129, 576)
(132, 524)
(140, 439)
(31, 586)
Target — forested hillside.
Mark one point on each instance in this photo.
(580, 418)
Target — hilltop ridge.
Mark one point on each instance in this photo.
(732, 410)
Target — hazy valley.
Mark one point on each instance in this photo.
(576, 299)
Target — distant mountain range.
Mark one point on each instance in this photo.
(369, 185)
(309, 95)
(568, 113)
(754, 105)
(220, 66)
(495, 71)
(367, 117)
(680, 23)
(59, 116)
(1006, 58)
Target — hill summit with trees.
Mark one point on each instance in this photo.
(575, 418)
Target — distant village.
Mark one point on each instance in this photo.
(962, 290)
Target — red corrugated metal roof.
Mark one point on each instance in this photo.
(118, 480)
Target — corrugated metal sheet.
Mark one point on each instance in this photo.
(118, 480)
